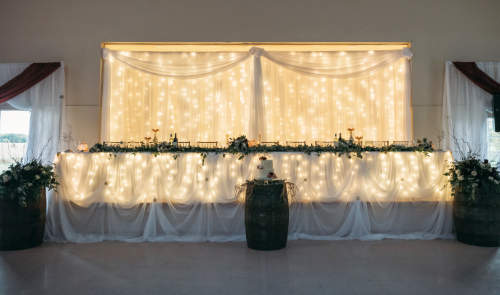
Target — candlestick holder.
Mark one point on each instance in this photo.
(359, 139)
(155, 139)
(351, 130)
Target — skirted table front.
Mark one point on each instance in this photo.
(183, 197)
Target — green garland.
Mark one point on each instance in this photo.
(240, 146)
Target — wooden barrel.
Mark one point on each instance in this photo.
(477, 223)
(266, 215)
(22, 227)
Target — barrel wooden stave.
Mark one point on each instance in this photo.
(266, 216)
(477, 223)
(22, 227)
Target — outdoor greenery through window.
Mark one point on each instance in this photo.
(493, 143)
(14, 128)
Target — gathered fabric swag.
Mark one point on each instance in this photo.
(33, 74)
(485, 82)
(478, 77)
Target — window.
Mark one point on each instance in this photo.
(493, 142)
(14, 128)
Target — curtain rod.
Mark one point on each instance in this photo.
(243, 46)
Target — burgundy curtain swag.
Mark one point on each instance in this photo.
(33, 74)
(485, 82)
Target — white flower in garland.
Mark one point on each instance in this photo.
(491, 178)
(473, 173)
(5, 178)
(37, 177)
(460, 177)
(27, 168)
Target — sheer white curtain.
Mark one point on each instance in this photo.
(279, 95)
(312, 95)
(465, 110)
(201, 96)
(44, 101)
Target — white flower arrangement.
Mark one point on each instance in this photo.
(473, 177)
(23, 182)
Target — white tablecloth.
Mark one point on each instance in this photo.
(177, 197)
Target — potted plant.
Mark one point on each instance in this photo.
(476, 205)
(22, 204)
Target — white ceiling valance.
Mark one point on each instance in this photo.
(281, 95)
(192, 65)
(181, 65)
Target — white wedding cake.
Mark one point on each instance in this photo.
(265, 169)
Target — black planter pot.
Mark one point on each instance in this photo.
(266, 215)
(477, 223)
(22, 227)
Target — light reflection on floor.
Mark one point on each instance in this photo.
(304, 267)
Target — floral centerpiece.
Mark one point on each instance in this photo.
(22, 182)
(239, 144)
(473, 177)
(476, 204)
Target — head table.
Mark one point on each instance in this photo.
(187, 197)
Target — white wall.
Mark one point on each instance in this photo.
(34, 30)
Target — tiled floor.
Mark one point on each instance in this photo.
(305, 267)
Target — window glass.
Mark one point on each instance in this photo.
(14, 128)
(493, 142)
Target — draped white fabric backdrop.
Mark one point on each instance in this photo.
(44, 101)
(465, 110)
(146, 198)
(204, 96)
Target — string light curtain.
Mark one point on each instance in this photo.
(312, 95)
(204, 96)
(201, 96)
